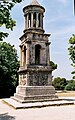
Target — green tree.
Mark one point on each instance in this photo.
(70, 85)
(59, 83)
(5, 15)
(53, 65)
(71, 50)
(9, 65)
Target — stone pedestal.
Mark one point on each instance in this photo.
(35, 93)
(35, 84)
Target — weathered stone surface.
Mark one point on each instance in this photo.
(35, 93)
(35, 90)
(35, 72)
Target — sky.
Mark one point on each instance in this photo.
(59, 21)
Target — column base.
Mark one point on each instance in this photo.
(34, 93)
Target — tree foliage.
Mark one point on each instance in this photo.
(71, 50)
(53, 65)
(63, 84)
(9, 65)
(5, 15)
(70, 85)
(59, 83)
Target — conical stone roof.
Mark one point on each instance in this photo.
(34, 2)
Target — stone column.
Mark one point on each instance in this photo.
(48, 56)
(28, 54)
(41, 19)
(22, 56)
(27, 21)
(47, 53)
(33, 55)
(31, 19)
(37, 20)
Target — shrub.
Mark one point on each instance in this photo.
(70, 85)
(59, 83)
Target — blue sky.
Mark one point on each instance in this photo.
(59, 20)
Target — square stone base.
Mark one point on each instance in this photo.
(34, 93)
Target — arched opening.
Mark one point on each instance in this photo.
(34, 20)
(29, 20)
(37, 54)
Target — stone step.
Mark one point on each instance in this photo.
(34, 98)
(17, 105)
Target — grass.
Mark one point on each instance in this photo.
(65, 93)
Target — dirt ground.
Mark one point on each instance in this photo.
(66, 93)
(46, 113)
(66, 112)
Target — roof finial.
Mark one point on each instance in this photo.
(34, 2)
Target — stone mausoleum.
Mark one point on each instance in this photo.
(35, 72)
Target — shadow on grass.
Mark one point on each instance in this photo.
(5, 116)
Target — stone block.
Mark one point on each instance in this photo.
(35, 93)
